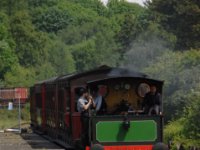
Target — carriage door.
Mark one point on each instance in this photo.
(63, 113)
(76, 121)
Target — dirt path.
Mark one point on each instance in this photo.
(25, 141)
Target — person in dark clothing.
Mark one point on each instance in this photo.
(152, 101)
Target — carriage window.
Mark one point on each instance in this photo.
(142, 89)
(68, 102)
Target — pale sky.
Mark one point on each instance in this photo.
(135, 1)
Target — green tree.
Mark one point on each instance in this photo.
(51, 19)
(93, 44)
(173, 132)
(128, 32)
(79, 14)
(10, 7)
(180, 17)
(30, 44)
(38, 3)
(19, 76)
(7, 45)
(95, 5)
(123, 7)
(86, 52)
(61, 58)
(7, 58)
(186, 129)
(83, 54)
(44, 71)
(192, 115)
(62, 14)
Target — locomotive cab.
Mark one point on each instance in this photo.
(124, 121)
(123, 95)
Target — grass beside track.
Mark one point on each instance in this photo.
(10, 118)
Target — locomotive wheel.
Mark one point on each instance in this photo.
(160, 146)
(97, 147)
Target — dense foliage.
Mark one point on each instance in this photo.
(40, 39)
(180, 17)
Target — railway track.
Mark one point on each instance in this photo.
(26, 141)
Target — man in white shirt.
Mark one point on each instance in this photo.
(84, 101)
(98, 102)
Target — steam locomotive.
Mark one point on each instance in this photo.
(123, 126)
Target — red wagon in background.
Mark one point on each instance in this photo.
(13, 95)
(22, 94)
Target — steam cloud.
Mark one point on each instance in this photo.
(144, 53)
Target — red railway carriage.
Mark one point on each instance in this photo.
(54, 111)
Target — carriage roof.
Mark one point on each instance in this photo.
(109, 72)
